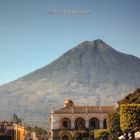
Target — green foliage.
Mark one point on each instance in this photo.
(91, 133)
(130, 117)
(15, 119)
(100, 133)
(40, 131)
(77, 132)
(132, 98)
(113, 123)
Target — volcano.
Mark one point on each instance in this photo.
(92, 73)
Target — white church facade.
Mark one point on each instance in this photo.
(75, 122)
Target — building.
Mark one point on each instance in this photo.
(77, 122)
(9, 131)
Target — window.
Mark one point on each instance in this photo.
(94, 123)
(80, 124)
(65, 123)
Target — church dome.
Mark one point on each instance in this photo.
(68, 103)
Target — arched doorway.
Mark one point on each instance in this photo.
(104, 123)
(80, 124)
(65, 137)
(94, 123)
(65, 123)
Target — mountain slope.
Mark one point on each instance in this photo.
(92, 73)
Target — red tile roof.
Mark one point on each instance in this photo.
(85, 109)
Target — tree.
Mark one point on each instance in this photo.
(130, 118)
(131, 98)
(40, 133)
(100, 134)
(15, 119)
(113, 124)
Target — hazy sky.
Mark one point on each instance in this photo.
(31, 37)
